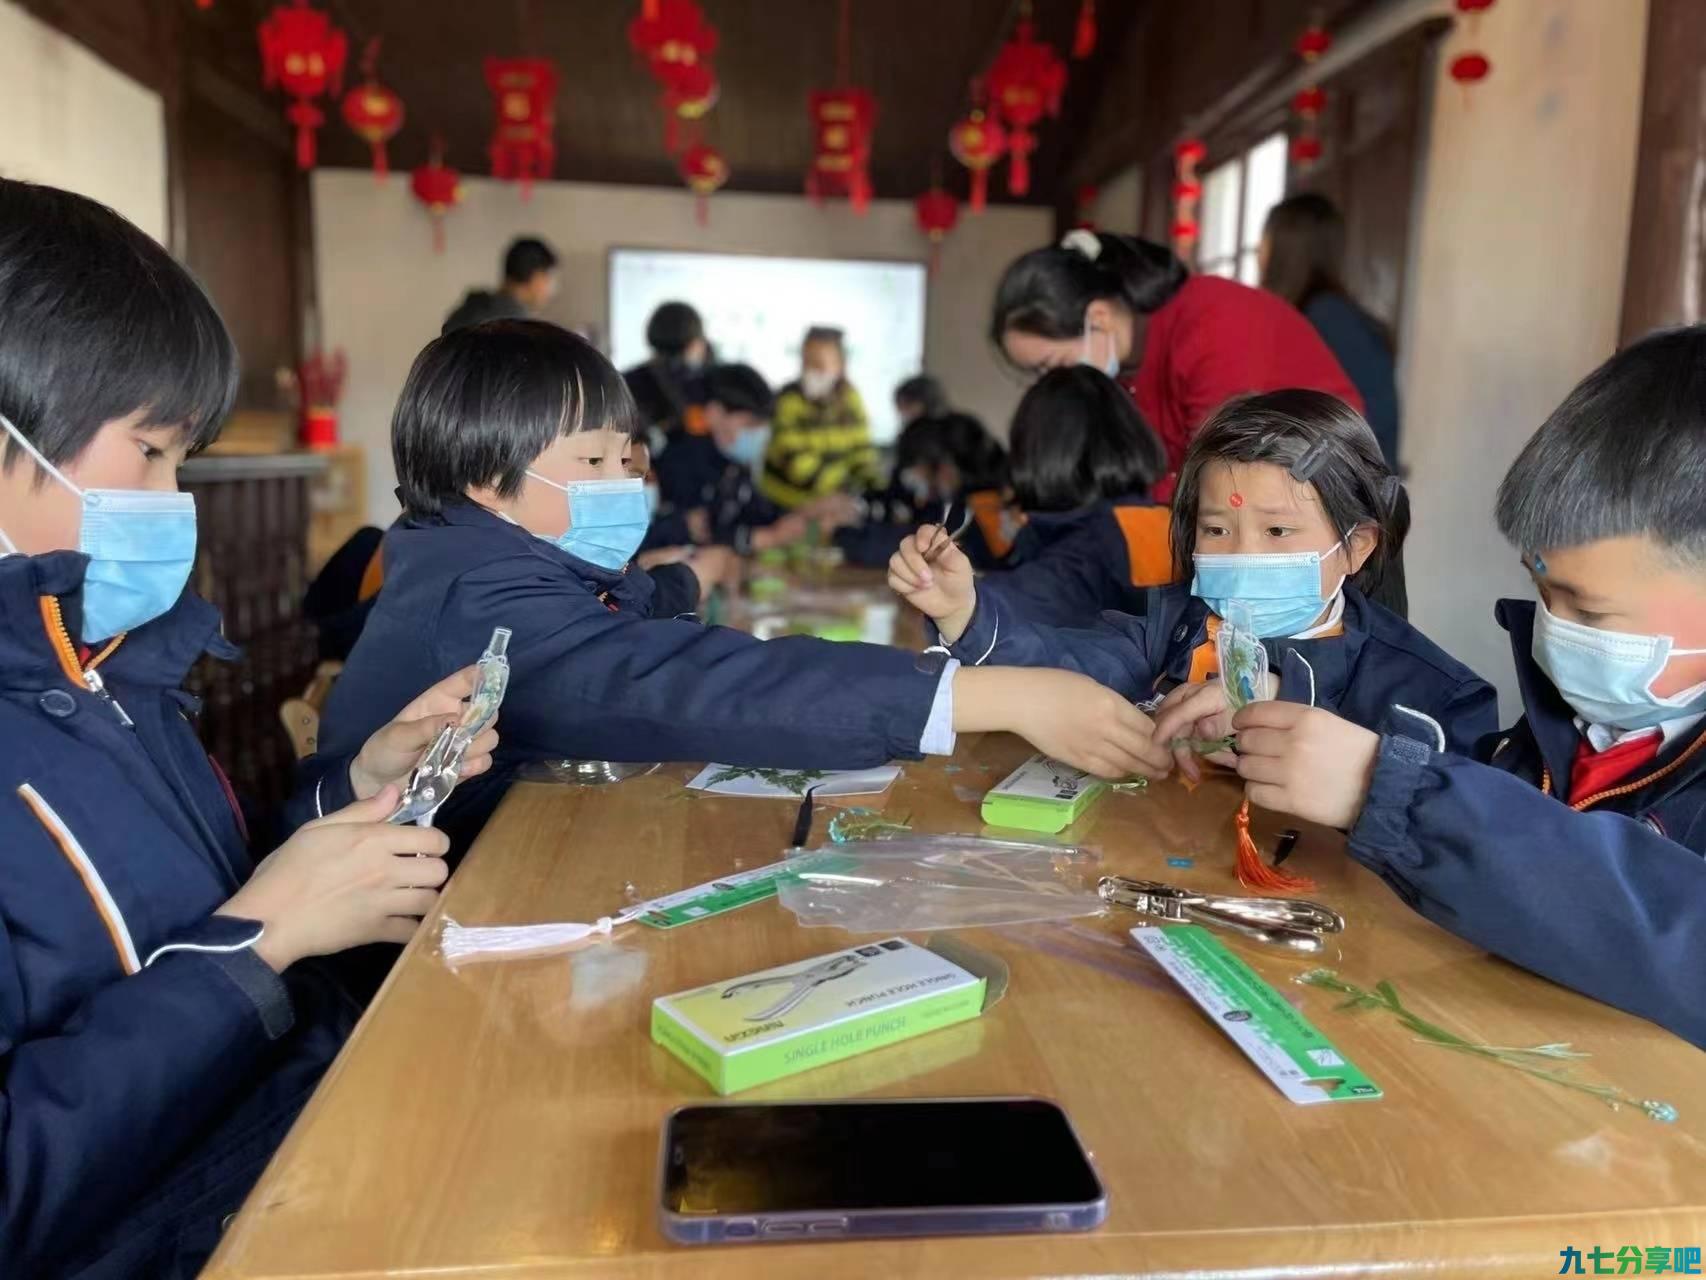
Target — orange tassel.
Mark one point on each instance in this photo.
(1253, 873)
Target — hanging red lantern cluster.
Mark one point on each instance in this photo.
(1026, 81)
(303, 54)
(524, 144)
(704, 171)
(1471, 68)
(1084, 34)
(1310, 101)
(374, 112)
(843, 121)
(677, 45)
(439, 188)
(937, 213)
(1187, 193)
(978, 142)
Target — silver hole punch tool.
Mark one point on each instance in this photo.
(433, 779)
(805, 981)
(1287, 922)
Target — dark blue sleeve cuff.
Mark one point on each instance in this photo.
(1382, 834)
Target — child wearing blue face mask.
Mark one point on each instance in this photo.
(1283, 506)
(512, 441)
(708, 481)
(164, 1011)
(1574, 843)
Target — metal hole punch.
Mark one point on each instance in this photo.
(802, 981)
(440, 768)
(1287, 922)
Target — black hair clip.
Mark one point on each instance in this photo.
(1304, 469)
(1391, 489)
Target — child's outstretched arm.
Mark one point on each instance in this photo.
(1596, 901)
(981, 628)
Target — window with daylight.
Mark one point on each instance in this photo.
(1237, 195)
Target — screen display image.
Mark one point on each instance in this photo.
(872, 1156)
(756, 310)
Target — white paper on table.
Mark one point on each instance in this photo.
(845, 782)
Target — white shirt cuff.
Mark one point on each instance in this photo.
(939, 738)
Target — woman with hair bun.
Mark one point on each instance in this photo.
(1182, 345)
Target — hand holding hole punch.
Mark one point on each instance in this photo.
(388, 756)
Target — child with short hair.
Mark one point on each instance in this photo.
(162, 1018)
(1572, 843)
(1283, 506)
(1084, 467)
(511, 442)
(821, 442)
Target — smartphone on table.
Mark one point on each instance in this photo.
(744, 1172)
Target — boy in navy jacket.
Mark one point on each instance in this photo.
(161, 1021)
(1571, 843)
(511, 441)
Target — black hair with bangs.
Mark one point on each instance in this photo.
(98, 322)
(481, 403)
(1319, 440)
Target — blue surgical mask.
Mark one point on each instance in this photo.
(1110, 366)
(750, 446)
(141, 548)
(608, 519)
(654, 499)
(1282, 592)
(1607, 676)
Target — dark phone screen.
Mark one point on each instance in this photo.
(873, 1155)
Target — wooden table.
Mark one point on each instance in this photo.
(503, 1120)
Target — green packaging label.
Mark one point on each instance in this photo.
(751, 1030)
(1301, 1062)
(1041, 795)
(715, 897)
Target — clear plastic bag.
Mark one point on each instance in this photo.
(940, 882)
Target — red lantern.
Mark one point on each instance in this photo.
(1309, 102)
(302, 53)
(1025, 83)
(704, 170)
(524, 145)
(1470, 68)
(978, 143)
(937, 213)
(1474, 6)
(843, 120)
(1314, 42)
(677, 43)
(1306, 150)
(439, 188)
(1084, 35)
(373, 111)
(1188, 153)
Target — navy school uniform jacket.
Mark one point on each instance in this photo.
(1607, 895)
(149, 1060)
(694, 474)
(1068, 568)
(594, 676)
(1380, 672)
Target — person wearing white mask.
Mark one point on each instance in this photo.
(820, 443)
(1573, 843)
(1180, 344)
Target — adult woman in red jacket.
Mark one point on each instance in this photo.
(1180, 344)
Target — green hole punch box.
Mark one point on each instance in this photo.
(1042, 795)
(751, 1030)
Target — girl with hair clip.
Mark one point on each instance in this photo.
(1181, 345)
(1284, 506)
(1084, 467)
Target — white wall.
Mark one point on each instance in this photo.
(70, 120)
(1515, 289)
(384, 293)
(1119, 202)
